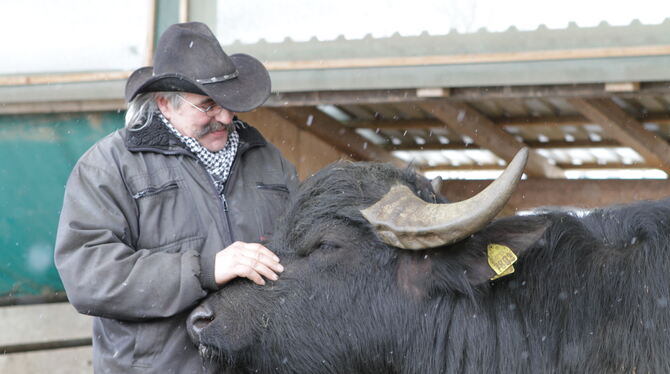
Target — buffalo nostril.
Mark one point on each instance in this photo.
(199, 318)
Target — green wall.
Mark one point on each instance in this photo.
(37, 153)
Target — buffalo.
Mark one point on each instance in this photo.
(383, 276)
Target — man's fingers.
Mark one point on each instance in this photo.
(260, 268)
(247, 260)
(259, 248)
(247, 272)
(261, 258)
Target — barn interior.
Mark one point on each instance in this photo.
(591, 103)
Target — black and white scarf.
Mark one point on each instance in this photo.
(218, 164)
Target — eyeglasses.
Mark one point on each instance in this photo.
(204, 110)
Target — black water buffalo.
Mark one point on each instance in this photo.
(379, 281)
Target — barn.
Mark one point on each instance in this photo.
(592, 103)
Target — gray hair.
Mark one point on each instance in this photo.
(143, 107)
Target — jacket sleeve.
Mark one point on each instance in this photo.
(102, 273)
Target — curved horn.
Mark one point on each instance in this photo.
(436, 183)
(403, 220)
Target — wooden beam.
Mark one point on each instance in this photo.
(409, 124)
(401, 124)
(564, 166)
(59, 361)
(361, 97)
(22, 80)
(306, 151)
(334, 133)
(622, 86)
(588, 90)
(151, 34)
(533, 193)
(63, 106)
(626, 129)
(466, 121)
(471, 58)
(541, 121)
(183, 11)
(26, 324)
(461, 146)
(358, 97)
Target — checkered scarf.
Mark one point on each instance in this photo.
(218, 164)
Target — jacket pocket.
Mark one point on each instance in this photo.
(149, 341)
(150, 191)
(166, 211)
(272, 187)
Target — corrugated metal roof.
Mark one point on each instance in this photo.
(543, 56)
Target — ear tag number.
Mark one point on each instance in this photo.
(500, 259)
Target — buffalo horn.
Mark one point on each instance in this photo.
(436, 183)
(403, 220)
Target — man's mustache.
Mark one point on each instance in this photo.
(214, 126)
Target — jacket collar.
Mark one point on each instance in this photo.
(155, 137)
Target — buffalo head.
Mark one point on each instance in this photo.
(372, 256)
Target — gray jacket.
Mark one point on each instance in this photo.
(140, 225)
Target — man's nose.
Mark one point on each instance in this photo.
(224, 116)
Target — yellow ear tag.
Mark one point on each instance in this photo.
(501, 259)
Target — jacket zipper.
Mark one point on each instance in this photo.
(155, 190)
(272, 187)
(222, 196)
(223, 205)
(240, 152)
(225, 212)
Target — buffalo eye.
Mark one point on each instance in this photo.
(328, 245)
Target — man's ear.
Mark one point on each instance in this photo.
(164, 106)
(491, 252)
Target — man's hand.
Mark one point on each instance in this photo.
(246, 260)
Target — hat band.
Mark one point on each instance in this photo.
(221, 78)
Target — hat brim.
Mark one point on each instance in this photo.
(242, 94)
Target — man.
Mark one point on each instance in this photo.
(173, 206)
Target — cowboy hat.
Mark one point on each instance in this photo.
(189, 58)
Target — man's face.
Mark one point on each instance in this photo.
(207, 128)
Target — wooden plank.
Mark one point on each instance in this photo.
(461, 146)
(372, 62)
(564, 166)
(306, 151)
(401, 124)
(332, 132)
(151, 34)
(587, 90)
(64, 106)
(361, 97)
(626, 129)
(533, 193)
(467, 121)
(315, 154)
(277, 130)
(22, 80)
(60, 361)
(183, 11)
(54, 297)
(471, 58)
(523, 121)
(42, 323)
(622, 86)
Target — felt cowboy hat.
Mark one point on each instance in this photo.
(189, 58)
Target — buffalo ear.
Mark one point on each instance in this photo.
(517, 233)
